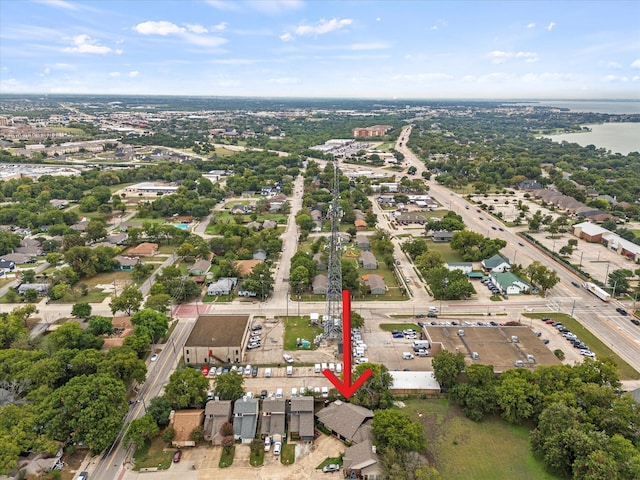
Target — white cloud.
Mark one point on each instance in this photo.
(85, 44)
(378, 19)
(500, 56)
(615, 78)
(323, 26)
(286, 37)
(196, 28)
(158, 28)
(551, 25)
(58, 4)
(133, 74)
(265, 6)
(635, 63)
(285, 80)
(114, 74)
(220, 27)
(531, 25)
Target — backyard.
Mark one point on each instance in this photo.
(299, 327)
(462, 449)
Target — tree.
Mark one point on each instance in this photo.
(168, 435)
(140, 271)
(393, 429)
(375, 392)
(71, 336)
(128, 301)
(229, 386)
(541, 276)
(159, 302)
(160, 409)
(28, 275)
(446, 368)
(357, 320)
(619, 280)
(99, 325)
(187, 388)
(123, 363)
(96, 229)
(197, 434)
(516, 396)
(477, 394)
(81, 310)
(31, 295)
(141, 429)
(88, 409)
(156, 322)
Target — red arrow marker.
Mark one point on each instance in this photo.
(346, 388)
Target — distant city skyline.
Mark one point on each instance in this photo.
(294, 48)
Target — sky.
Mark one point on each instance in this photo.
(314, 48)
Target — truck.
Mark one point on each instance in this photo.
(597, 291)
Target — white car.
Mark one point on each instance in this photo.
(361, 360)
(267, 444)
(325, 392)
(247, 370)
(154, 357)
(287, 358)
(588, 353)
(276, 448)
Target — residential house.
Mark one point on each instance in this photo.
(144, 249)
(362, 241)
(6, 266)
(216, 413)
(17, 258)
(29, 248)
(276, 203)
(269, 224)
(301, 424)
(260, 255)
(184, 422)
(376, 284)
(222, 286)
(201, 267)
(344, 237)
(239, 210)
(497, 263)
(126, 263)
(80, 226)
(245, 419)
(347, 421)
(368, 260)
(321, 260)
(254, 225)
(464, 267)
(509, 283)
(319, 285)
(273, 417)
(117, 238)
(409, 218)
(361, 461)
(442, 236)
(360, 224)
(41, 288)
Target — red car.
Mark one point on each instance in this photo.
(205, 370)
(177, 456)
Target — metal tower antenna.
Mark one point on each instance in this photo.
(333, 316)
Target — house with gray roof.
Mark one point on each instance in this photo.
(321, 260)
(347, 421)
(6, 266)
(245, 419)
(126, 263)
(442, 236)
(368, 260)
(216, 413)
(269, 224)
(273, 417)
(301, 418)
(41, 288)
(199, 268)
(497, 263)
(260, 254)
(362, 241)
(376, 284)
(17, 258)
(361, 461)
(222, 286)
(319, 285)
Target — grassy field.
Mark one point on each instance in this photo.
(387, 327)
(449, 255)
(288, 453)
(299, 327)
(152, 454)
(462, 449)
(329, 460)
(625, 371)
(226, 459)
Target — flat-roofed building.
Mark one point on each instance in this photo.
(217, 339)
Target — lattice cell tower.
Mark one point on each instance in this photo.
(333, 316)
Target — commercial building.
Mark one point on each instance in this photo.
(217, 339)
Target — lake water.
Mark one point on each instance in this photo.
(620, 138)
(613, 107)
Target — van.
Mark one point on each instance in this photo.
(279, 393)
(289, 370)
(267, 373)
(316, 368)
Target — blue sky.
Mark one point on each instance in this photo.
(298, 48)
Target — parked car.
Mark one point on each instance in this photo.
(398, 335)
(287, 358)
(276, 448)
(256, 327)
(332, 467)
(205, 370)
(267, 444)
(418, 315)
(253, 345)
(254, 371)
(432, 315)
(325, 392)
(177, 456)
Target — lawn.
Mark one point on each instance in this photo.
(625, 371)
(226, 459)
(288, 454)
(448, 254)
(462, 449)
(387, 327)
(299, 327)
(329, 460)
(152, 454)
(257, 460)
